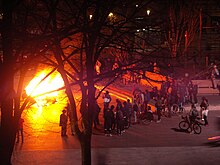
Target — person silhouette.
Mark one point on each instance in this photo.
(63, 123)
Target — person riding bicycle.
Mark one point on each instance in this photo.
(193, 114)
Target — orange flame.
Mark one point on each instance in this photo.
(36, 88)
(48, 106)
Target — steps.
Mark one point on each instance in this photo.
(205, 87)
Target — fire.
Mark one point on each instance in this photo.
(36, 88)
(46, 108)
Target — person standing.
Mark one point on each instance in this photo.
(63, 123)
(108, 120)
(97, 110)
(135, 109)
(158, 105)
(204, 110)
(118, 105)
(205, 116)
(214, 74)
(20, 130)
(119, 121)
(146, 99)
(107, 99)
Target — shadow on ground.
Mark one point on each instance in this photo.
(213, 144)
(180, 130)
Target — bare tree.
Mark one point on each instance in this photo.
(183, 26)
(92, 30)
(19, 50)
(71, 36)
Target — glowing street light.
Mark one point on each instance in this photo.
(148, 11)
(110, 14)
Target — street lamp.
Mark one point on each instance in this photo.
(148, 11)
(110, 14)
(112, 17)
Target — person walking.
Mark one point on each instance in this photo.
(20, 131)
(190, 91)
(195, 93)
(119, 121)
(130, 109)
(63, 123)
(146, 99)
(125, 112)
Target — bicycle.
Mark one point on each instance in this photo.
(145, 118)
(185, 125)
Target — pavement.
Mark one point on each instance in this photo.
(121, 156)
(155, 144)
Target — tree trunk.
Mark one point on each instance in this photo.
(85, 142)
(8, 125)
(8, 135)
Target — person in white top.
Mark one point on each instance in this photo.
(107, 99)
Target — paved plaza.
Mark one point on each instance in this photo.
(154, 144)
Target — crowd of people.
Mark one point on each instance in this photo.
(116, 118)
(171, 98)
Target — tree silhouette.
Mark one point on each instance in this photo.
(70, 36)
(183, 26)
